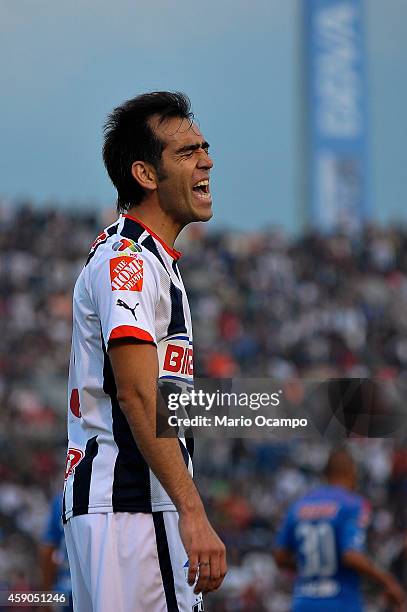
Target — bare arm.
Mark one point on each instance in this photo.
(363, 565)
(135, 368)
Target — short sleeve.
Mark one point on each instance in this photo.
(125, 291)
(285, 535)
(353, 527)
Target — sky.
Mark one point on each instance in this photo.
(64, 66)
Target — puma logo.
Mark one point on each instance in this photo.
(127, 307)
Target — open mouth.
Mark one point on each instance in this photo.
(202, 189)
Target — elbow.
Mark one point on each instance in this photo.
(350, 558)
(124, 397)
(131, 400)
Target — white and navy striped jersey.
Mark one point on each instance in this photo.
(129, 287)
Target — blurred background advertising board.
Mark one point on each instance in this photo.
(337, 121)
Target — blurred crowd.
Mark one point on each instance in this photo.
(263, 305)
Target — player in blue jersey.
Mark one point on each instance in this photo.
(323, 539)
(54, 558)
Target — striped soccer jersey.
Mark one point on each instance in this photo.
(129, 287)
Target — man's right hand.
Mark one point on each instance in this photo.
(206, 551)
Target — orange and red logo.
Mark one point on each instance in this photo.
(179, 359)
(73, 457)
(126, 273)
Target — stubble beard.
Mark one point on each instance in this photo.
(170, 204)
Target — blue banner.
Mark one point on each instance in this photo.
(337, 118)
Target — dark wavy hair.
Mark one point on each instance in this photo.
(128, 137)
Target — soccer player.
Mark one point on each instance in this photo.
(323, 538)
(137, 535)
(53, 555)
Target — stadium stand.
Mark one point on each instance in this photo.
(263, 305)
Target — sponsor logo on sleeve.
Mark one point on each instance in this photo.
(125, 244)
(73, 457)
(124, 305)
(126, 273)
(178, 360)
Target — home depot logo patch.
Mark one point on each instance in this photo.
(126, 273)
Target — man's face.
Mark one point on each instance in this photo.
(183, 186)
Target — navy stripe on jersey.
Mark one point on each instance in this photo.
(185, 451)
(151, 246)
(131, 481)
(175, 267)
(63, 508)
(177, 323)
(165, 562)
(189, 441)
(131, 229)
(109, 231)
(83, 475)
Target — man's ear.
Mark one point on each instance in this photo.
(145, 175)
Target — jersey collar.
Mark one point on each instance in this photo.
(173, 252)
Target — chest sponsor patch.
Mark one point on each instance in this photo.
(126, 273)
